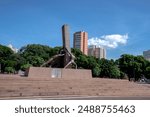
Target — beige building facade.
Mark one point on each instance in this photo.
(80, 41)
(146, 55)
(98, 52)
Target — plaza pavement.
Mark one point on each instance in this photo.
(17, 87)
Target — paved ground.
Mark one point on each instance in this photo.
(16, 87)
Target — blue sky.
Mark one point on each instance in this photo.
(25, 22)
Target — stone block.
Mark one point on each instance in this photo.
(43, 72)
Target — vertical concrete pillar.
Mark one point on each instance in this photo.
(66, 37)
(66, 43)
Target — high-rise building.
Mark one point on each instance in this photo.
(146, 55)
(80, 41)
(97, 52)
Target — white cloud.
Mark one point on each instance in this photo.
(109, 41)
(12, 48)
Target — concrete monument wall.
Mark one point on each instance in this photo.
(38, 72)
(76, 73)
(43, 72)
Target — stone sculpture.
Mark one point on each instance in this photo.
(64, 59)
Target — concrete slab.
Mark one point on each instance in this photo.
(43, 72)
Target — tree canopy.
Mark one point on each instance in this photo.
(35, 55)
(133, 66)
(5, 57)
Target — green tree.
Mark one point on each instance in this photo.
(25, 66)
(147, 74)
(114, 72)
(18, 59)
(36, 54)
(82, 61)
(5, 53)
(133, 66)
(9, 70)
(126, 65)
(108, 68)
(76, 52)
(96, 71)
(92, 63)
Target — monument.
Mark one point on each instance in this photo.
(65, 59)
(61, 65)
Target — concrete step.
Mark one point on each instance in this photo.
(23, 87)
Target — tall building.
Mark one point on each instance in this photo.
(146, 55)
(80, 41)
(97, 52)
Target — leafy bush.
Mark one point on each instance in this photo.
(9, 70)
